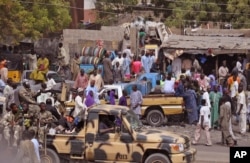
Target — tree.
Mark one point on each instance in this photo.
(187, 12)
(32, 18)
(109, 9)
(238, 13)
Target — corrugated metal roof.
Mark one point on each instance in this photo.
(198, 44)
(215, 32)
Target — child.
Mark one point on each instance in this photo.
(203, 124)
(123, 99)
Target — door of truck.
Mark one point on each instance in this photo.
(109, 146)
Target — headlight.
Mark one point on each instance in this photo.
(177, 147)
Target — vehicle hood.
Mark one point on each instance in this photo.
(156, 136)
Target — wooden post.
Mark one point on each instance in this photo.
(217, 68)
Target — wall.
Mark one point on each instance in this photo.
(75, 39)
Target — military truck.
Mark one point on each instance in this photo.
(126, 141)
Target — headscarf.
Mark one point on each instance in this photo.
(89, 100)
(112, 98)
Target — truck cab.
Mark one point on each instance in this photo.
(126, 140)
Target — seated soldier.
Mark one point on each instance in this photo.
(105, 124)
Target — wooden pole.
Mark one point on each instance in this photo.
(217, 68)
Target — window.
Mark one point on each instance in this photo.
(56, 77)
(28, 75)
(106, 123)
(106, 94)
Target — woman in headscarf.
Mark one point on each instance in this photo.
(112, 98)
(123, 99)
(90, 99)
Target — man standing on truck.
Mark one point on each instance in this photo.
(79, 104)
(136, 100)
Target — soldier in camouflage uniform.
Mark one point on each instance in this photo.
(11, 125)
(27, 96)
(29, 117)
(45, 117)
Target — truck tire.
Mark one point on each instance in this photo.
(157, 158)
(155, 118)
(51, 157)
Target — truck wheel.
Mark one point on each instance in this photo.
(51, 157)
(155, 118)
(157, 158)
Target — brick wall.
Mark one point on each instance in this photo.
(89, 16)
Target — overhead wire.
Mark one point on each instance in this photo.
(207, 3)
(144, 7)
(58, 5)
(134, 6)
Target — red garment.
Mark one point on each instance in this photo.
(81, 81)
(136, 67)
(2, 63)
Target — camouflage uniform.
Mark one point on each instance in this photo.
(29, 119)
(27, 96)
(44, 118)
(7, 121)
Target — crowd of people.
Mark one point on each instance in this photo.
(210, 102)
(214, 104)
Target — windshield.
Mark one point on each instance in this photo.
(133, 120)
(56, 77)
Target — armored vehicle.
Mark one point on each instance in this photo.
(112, 133)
